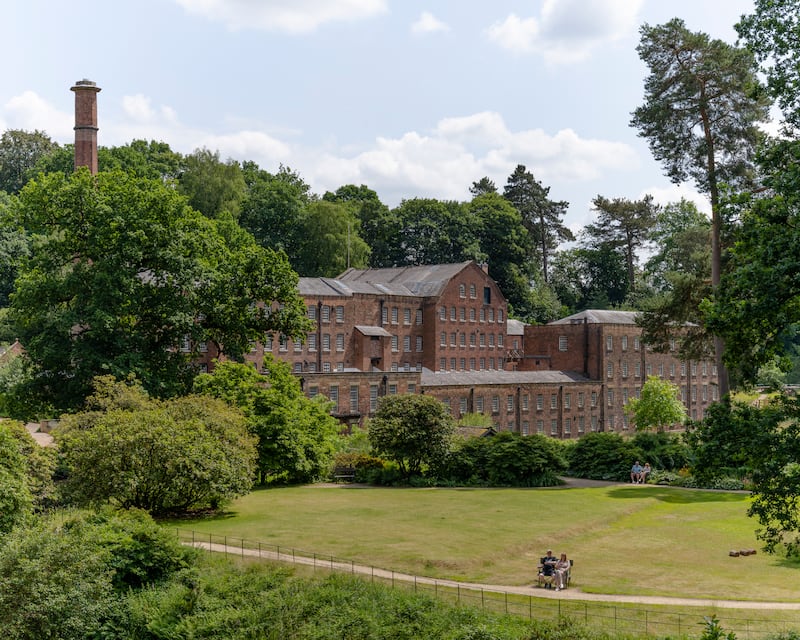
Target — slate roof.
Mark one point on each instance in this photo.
(484, 378)
(599, 316)
(421, 281)
(373, 331)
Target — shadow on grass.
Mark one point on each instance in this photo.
(677, 495)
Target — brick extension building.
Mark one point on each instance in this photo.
(443, 330)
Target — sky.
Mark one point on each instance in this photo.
(411, 98)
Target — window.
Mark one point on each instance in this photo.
(610, 370)
(326, 367)
(312, 367)
(525, 427)
(462, 340)
(649, 369)
(694, 393)
(442, 364)
(581, 424)
(491, 364)
(298, 367)
(298, 346)
(442, 313)
(705, 368)
(268, 343)
(472, 340)
(462, 364)
(312, 341)
(452, 364)
(510, 404)
(406, 344)
(683, 369)
(500, 315)
(419, 343)
(610, 397)
(624, 368)
(406, 316)
(340, 314)
(326, 341)
(705, 393)
(554, 427)
(567, 425)
(312, 312)
(340, 366)
(540, 426)
(462, 314)
(412, 388)
(594, 423)
(524, 401)
(672, 344)
(624, 421)
(580, 399)
(313, 391)
(635, 343)
(625, 396)
(340, 342)
(495, 404)
(472, 315)
(482, 363)
(491, 340)
(539, 402)
(353, 398)
(694, 369)
(472, 364)
(637, 370)
(462, 405)
(661, 369)
(186, 344)
(567, 400)
(202, 346)
(453, 314)
(594, 399)
(395, 344)
(609, 343)
(283, 344)
(462, 291)
(482, 315)
(333, 394)
(373, 398)
(394, 315)
(326, 313)
(472, 292)
(384, 315)
(482, 340)
(487, 295)
(672, 370)
(624, 341)
(479, 404)
(610, 423)
(393, 389)
(491, 315)
(443, 339)
(418, 316)
(553, 401)
(562, 343)
(500, 339)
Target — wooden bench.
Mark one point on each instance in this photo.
(344, 473)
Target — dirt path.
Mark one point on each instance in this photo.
(568, 594)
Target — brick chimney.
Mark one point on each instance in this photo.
(86, 124)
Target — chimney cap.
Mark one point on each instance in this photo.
(85, 84)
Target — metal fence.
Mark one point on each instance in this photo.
(622, 619)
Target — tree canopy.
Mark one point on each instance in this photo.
(658, 407)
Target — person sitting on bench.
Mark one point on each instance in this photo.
(547, 569)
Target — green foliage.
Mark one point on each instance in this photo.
(412, 430)
(505, 460)
(15, 495)
(265, 602)
(296, 435)
(162, 456)
(123, 271)
(19, 152)
(212, 187)
(662, 450)
(602, 456)
(713, 630)
(62, 577)
(40, 465)
(658, 406)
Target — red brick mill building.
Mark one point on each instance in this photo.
(443, 330)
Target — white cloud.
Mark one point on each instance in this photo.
(29, 111)
(290, 16)
(676, 192)
(567, 30)
(428, 23)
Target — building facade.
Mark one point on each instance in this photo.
(443, 330)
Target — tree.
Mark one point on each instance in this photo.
(212, 186)
(144, 159)
(328, 241)
(273, 205)
(623, 225)
(771, 33)
(125, 275)
(590, 278)
(658, 406)
(296, 435)
(15, 496)
(14, 247)
(412, 430)
(506, 243)
(167, 456)
(19, 152)
(700, 114)
(540, 215)
(483, 187)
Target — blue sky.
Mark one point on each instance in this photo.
(413, 99)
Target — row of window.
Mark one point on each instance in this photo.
(637, 369)
(325, 313)
(353, 390)
(475, 339)
(473, 364)
(328, 367)
(460, 314)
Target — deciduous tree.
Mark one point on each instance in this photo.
(412, 430)
(19, 152)
(658, 406)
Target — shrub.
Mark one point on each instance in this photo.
(603, 456)
(662, 450)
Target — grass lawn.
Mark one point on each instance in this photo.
(644, 540)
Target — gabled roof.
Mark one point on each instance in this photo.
(599, 316)
(483, 378)
(421, 281)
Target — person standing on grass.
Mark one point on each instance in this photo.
(636, 473)
(562, 571)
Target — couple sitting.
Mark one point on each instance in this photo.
(554, 571)
(639, 473)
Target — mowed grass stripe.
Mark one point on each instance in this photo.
(624, 540)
